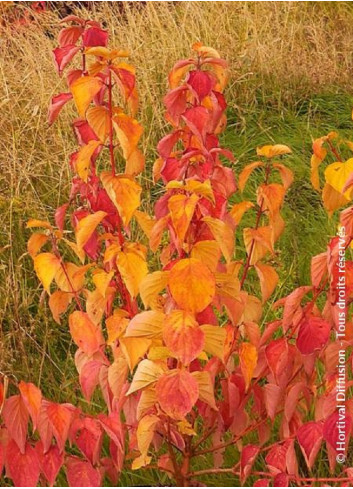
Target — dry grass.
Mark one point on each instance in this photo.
(279, 53)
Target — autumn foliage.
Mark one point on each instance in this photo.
(181, 357)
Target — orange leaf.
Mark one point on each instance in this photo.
(177, 392)
(182, 208)
(238, 210)
(207, 252)
(268, 280)
(83, 161)
(84, 90)
(32, 397)
(248, 361)
(286, 174)
(258, 242)
(116, 325)
(15, 416)
(183, 336)
(87, 226)
(270, 151)
(46, 266)
(134, 349)
(60, 417)
(206, 389)
(99, 120)
(128, 131)
(246, 172)
(272, 195)
(35, 243)
(124, 192)
(36, 223)
(85, 333)
(192, 285)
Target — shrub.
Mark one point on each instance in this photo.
(182, 363)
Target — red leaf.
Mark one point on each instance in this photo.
(56, 104)
(50, 462)
(69, 35)
(60, 216)
(60, 418)
(262, 483)
(201, 82)
(84, 132)
(196, 119)
(277, 356)
(113, 427)
(89, 439)
(273, 395)
(63, 56)
(313, 335)
(89, 377)
(95, 37)
(281, 480)
(44, 426)
(15, 415)
(177, 392)
(176, 102)
(336, 424)
(248, 456)
(81, 473)
(22, 468)
(310, 436)
(32, 398)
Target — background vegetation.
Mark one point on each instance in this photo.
(291, 70)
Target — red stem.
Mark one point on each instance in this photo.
(110, 108)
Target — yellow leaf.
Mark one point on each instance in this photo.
(145, 222)
(117, 376)
(206, 388)
(215, 338)
(337, 174)
(70, 277)
(207, 252)
(35, 243)
(131, 263)
(134, 349)
(147, 400)
(87, 226)
(146, 374)
(332, 199)
(84, 90)
(223, 234)
(268, 280)
(204, 189)
(101, 280)
(96, 304)
(145, 432)
(227, 285)
(248, 361)
(46, 266)
(192, 285)
(270, 151)
(147, 324)
(124, 192)
(99, 120)
(150, 287)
